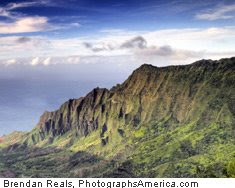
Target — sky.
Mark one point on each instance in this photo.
(53, 50)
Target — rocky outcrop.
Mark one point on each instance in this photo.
(81, 116)
(183, 93)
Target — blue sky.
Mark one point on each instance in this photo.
(53, 50)
(94, 15)
(46, 28)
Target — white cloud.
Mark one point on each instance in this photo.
(170, 46)
(75, 24)
(38, 61)
(171, 43)
(47, 61)
(168, 52)
(222, 12)
(74, 59)
(25, 24)
(7, 10)
(35, 61)
(19, 47)
(116, 32)
(21, 23)
(10, 62)
(12, 6)
(4, 12)
(138, 46)
(44, 61)
(137, 43)
(194, 39)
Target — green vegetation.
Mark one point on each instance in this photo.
(176, 121)
(231, 167)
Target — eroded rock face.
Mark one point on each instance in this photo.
(183, 93)
(81, 115)
(167, 121)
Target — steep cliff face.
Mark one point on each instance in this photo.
(81, 116)
(198, 92)
(176, 121)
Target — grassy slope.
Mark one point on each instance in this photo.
(180, 136)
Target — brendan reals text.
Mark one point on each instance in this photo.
(37, 184)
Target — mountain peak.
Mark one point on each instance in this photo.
(146, 68)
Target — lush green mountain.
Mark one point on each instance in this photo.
(176, 121)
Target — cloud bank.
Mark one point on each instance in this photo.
(170, 46)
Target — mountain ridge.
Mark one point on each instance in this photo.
(165, 119)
